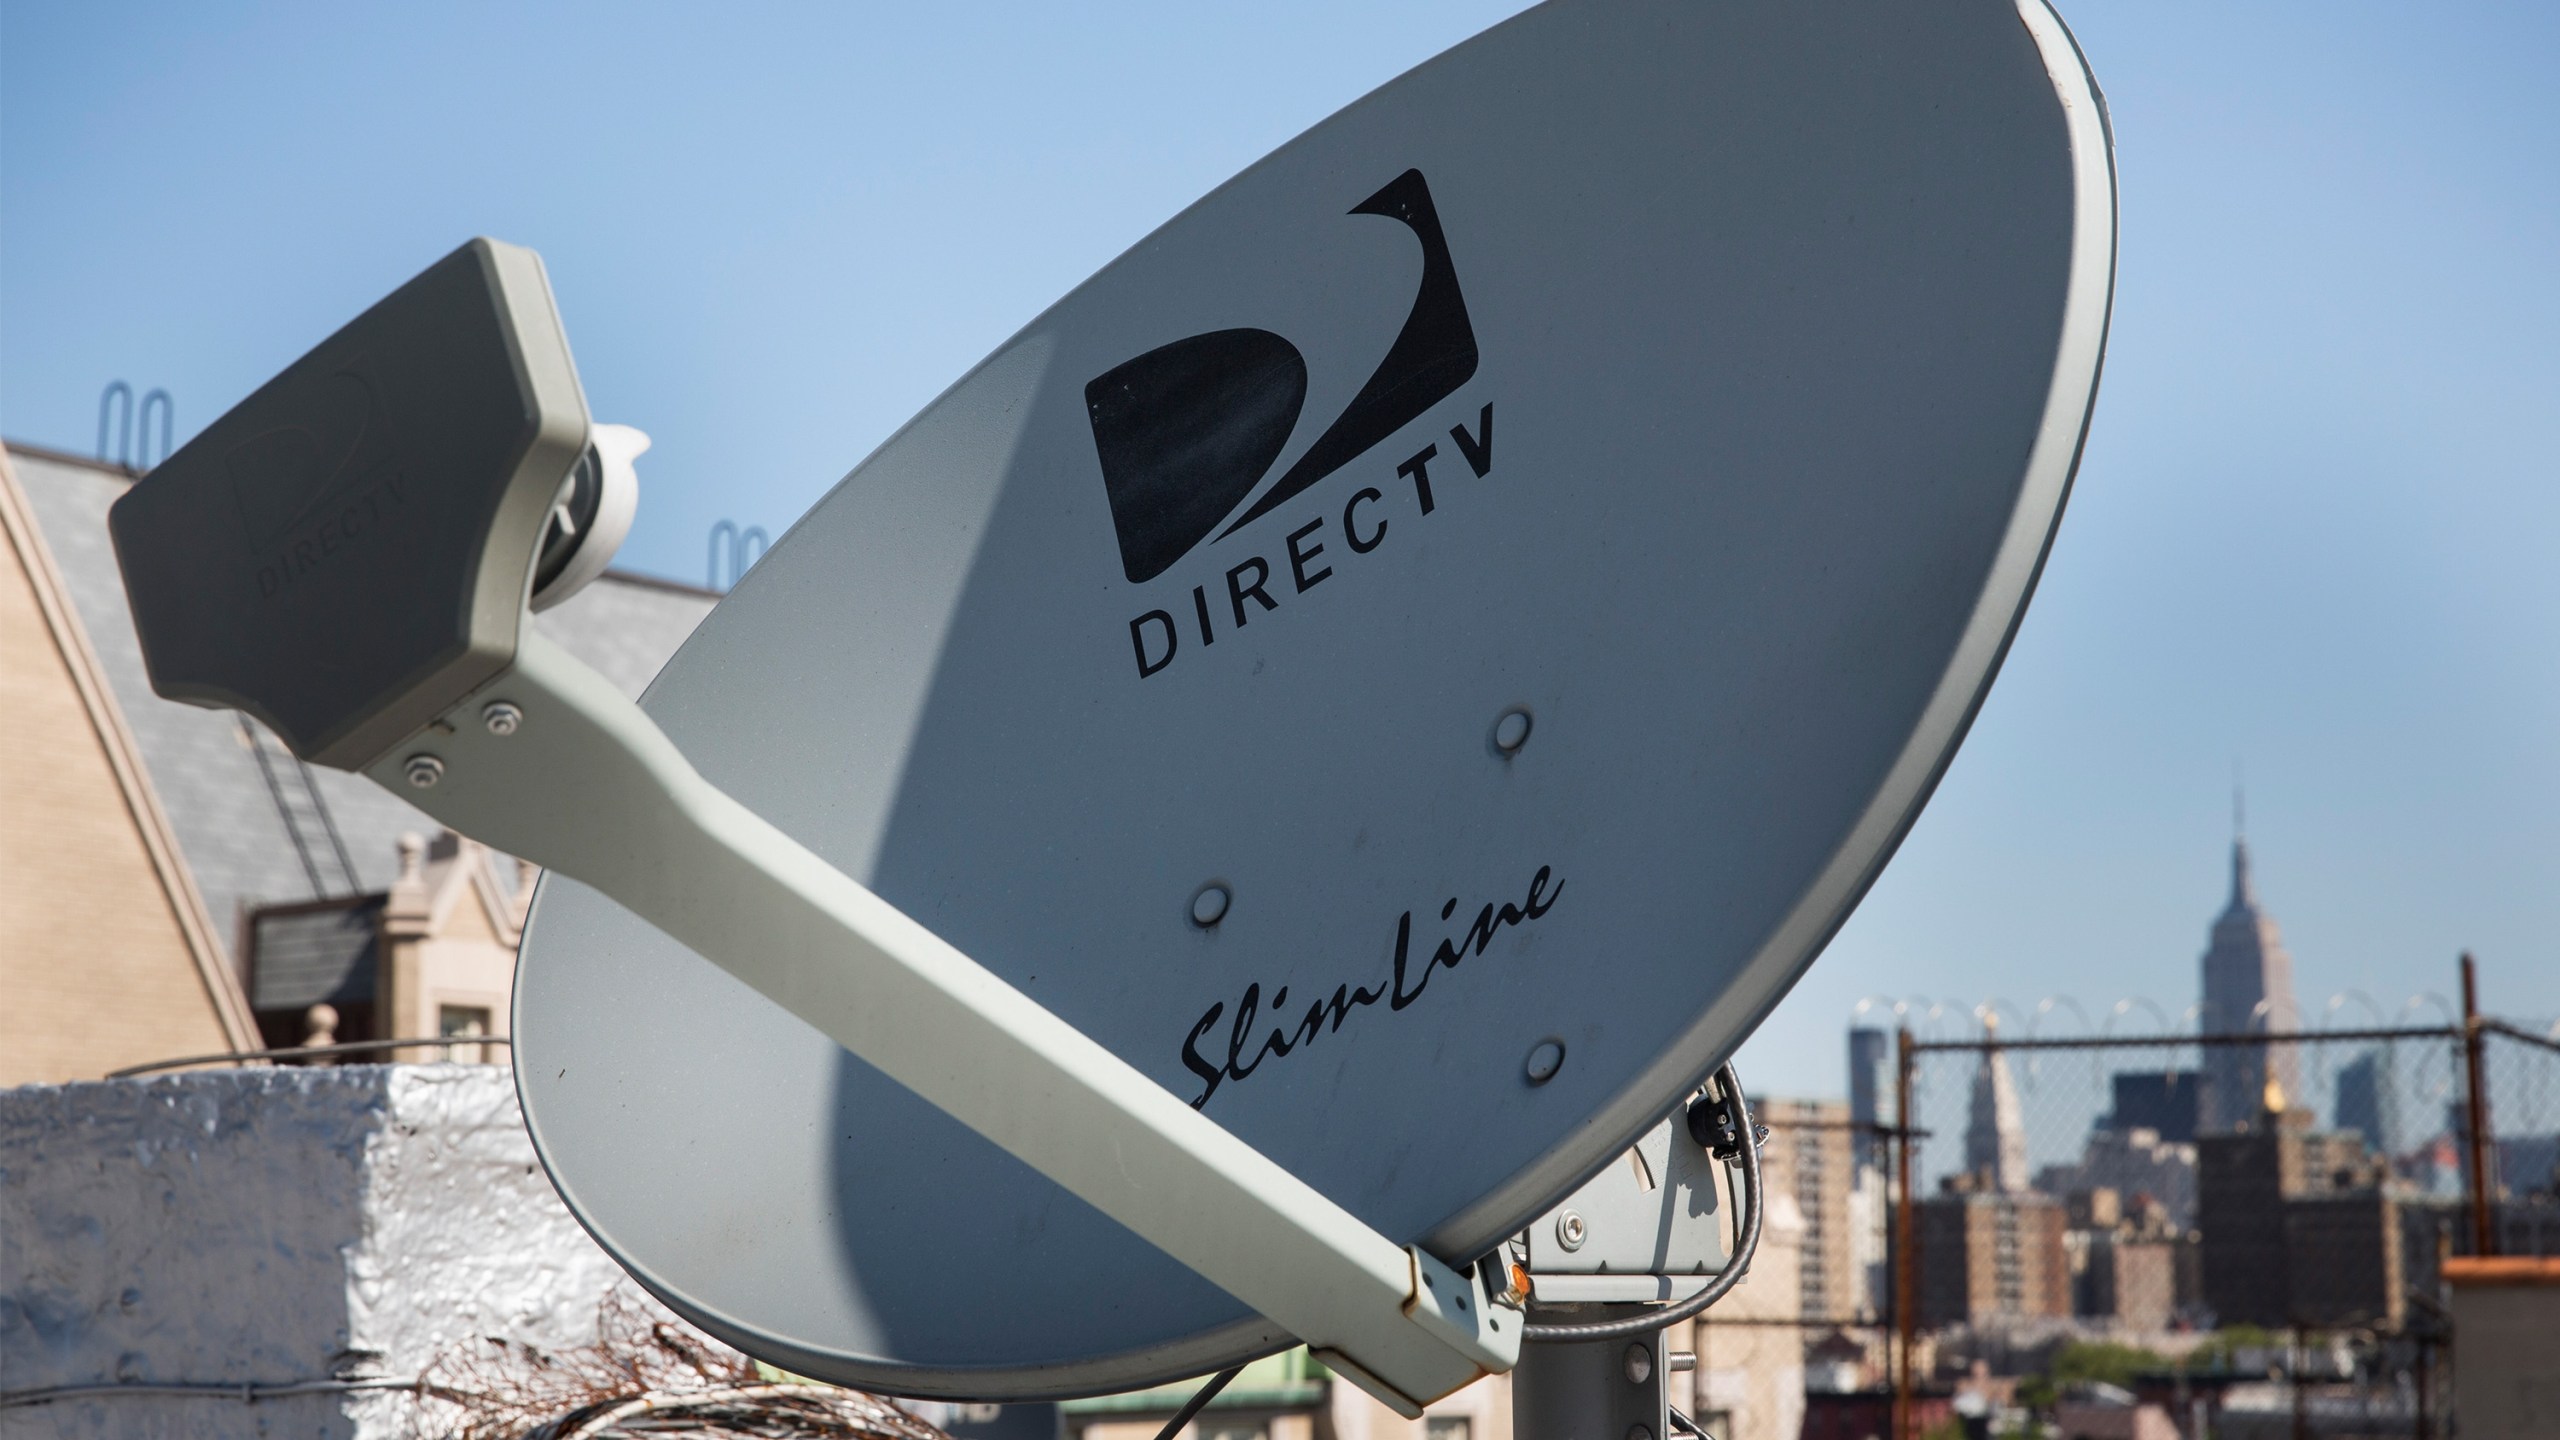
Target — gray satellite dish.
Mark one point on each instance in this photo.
(1699, 383)
(1412, 660)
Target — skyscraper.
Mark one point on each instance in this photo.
(2248, 990)
(2163, 1101)
(1872, 1101)
(1995, 1132)
(2369, 1100)
(1871, 1089)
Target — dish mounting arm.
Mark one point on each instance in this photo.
(349, 555)
(584, 783)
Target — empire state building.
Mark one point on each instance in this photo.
(2248, 990)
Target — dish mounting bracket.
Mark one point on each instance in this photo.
(382, 504)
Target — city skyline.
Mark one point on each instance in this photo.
(2115, 1099)
(2246, 984)
(2157, 1101)
(2241, 935)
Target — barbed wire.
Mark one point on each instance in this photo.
(2354, 1176)
(1947, 1018)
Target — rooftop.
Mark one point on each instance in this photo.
(256, 826)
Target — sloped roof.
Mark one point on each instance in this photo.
(229, 811)
(316, 954)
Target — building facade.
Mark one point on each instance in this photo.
(1749, 1383)
(2125, 1256)
(108, 954)
(2135, 1164)
(2343, 1259)
(433, 956)
(2368, 1101)
(2128, 1281)
(2161, 1101)
(2298, 1227)
(1991, 1258)
(2243, 1178)
(140, 838)
(1812, 1155)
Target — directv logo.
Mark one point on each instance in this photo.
(1186, 431)
(309, 492)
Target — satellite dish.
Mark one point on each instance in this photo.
(1412, 660)
(1415, 657)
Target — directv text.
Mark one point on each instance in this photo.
(1254, 585)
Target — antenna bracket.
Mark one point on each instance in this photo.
(584, 783)
(349, 554)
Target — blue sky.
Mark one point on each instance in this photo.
(2313, 537)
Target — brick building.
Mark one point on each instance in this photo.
(2298, 1226)
(2129, 1280)
(2125, 1260)
(2343, 1259)
(100, 921)
(1990, 1256)
(2242, 1180)
(432, 955)
(1812, 1155)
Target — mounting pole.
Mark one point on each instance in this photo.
(2484, 1230)
(1595, 1389)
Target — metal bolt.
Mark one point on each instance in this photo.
(423, 771)
(1639, 1432)
(1511, 730)
(501, 718)
(1572, 1230)
(1683, 1361)
(1210, 905)
(1639, 1363)
(1545, 1059)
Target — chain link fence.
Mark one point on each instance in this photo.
(2113, 1228)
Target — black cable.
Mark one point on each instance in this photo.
(1747, 1245)
(248, 1392)
(1199, 1397)
(296, 1052)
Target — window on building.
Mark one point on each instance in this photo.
(455, 1021)
(1234, 1430)
(1447, 1427)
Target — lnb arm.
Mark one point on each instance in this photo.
(351, 555)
